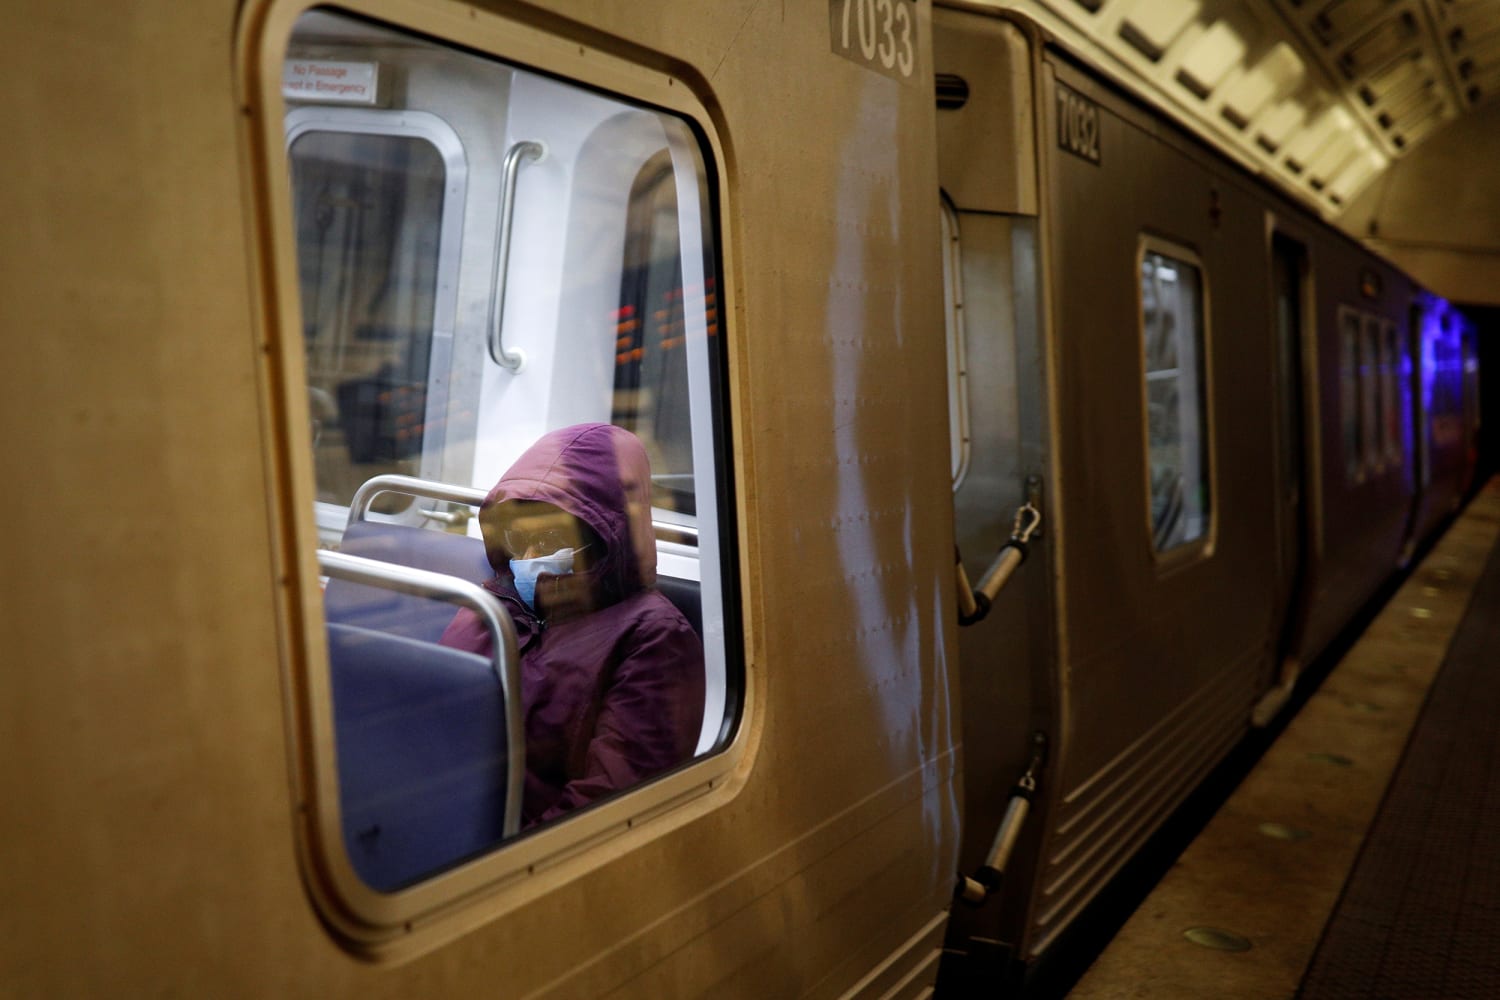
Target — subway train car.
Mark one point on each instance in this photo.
(1238, 422)
(289, 287)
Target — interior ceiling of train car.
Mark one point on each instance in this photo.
(1380, 114)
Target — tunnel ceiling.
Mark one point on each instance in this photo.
(1323, 94)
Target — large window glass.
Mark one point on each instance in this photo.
(1176, 382)
(510, 326)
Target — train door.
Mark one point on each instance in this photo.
(1289, 265)
(379, 204)
(1164, 450)
(997, 376)
(1419, 392)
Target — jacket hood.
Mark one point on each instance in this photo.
(599, 474)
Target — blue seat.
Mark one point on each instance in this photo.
(387, 611)
(420, 734)
(455, 555)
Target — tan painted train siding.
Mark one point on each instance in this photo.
(147, 807)
(1164, 653)
(145, 804)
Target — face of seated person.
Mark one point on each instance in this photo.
(550, 553)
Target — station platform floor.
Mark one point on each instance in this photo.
(1360, 858)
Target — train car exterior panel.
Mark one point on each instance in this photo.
(167, 797)
(1147, 630)
(1164, 623)
(176, 696)
(857, 512)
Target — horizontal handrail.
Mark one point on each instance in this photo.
(683, 534)
(410, 486)
(426, 489)
(505, 659)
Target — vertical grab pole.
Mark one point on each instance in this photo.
(527, 149)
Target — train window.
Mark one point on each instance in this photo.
(1471, 383)
(506, 282)
(1176, 396)
(953, 316)
(1423, 325)
(1371, 417)
(1349, 395)
(1390, 363)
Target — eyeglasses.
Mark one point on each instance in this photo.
(545, 533)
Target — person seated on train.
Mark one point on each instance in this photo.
(612, 674)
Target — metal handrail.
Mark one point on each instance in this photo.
(426, 489)
(524, 150)
(410, 486)
(505, 659)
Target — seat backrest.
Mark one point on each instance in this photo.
(421, 737)
(684, 594)
(399, 614)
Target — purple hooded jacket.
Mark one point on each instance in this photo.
(614, 695)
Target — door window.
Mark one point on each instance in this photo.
(1176, 394)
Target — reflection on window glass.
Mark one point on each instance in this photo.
(1349, 398)
(581, 491)
(651, 396)
(1176, 399)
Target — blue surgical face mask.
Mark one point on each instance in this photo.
(526, 571)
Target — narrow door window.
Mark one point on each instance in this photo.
(1176, 396)
(1371, 416)
(1349, 394)
(1390, 364)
